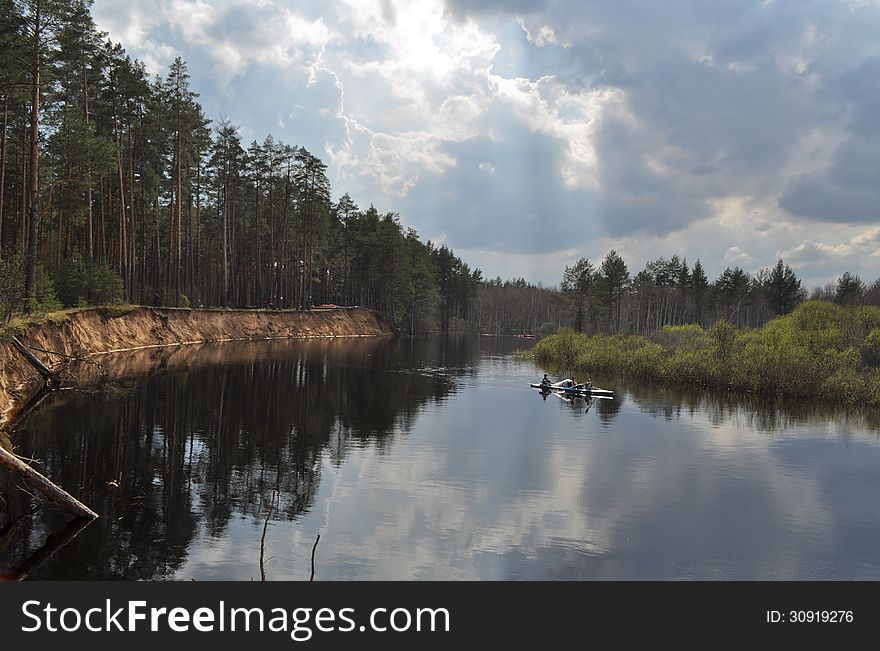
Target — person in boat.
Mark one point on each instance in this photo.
(546, 380)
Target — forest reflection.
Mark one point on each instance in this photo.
(183, 440)
(180, 449)
(767, 414)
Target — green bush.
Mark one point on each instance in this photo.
(722, 335)
(12, 298)
(682, 334)
(819, 350)
(561, 349)
(11, 284)
(644, 359)
(868, 317)
(46, 300)
(82, 283)
(693, 367)
(871, 348)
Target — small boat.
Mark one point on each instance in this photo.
(567, 386)
(585, 390)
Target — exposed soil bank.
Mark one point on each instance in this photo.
(104, 330)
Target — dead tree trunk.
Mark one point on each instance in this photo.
(48, 374)
(52, 491)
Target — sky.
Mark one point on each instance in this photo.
(526, 134)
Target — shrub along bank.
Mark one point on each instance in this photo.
(820, 350)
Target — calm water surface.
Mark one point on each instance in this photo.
(432, 459)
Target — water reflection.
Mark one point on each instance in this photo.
(432, 459)
(209, 434)
(762, 413)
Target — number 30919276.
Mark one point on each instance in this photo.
(810, 616)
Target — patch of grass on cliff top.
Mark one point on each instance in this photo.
(10, 330)
(18, 324)
(114, 311)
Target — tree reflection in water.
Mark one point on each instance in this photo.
(207, 434)
(182, 454)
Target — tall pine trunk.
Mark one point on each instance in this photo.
(122, 220)
(30, 284)
(89, 216)
(178, 210)
(198, 252)
(284, 241)
(3, 165)
(258, 240)
(225, 300)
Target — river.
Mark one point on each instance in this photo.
(432, 459)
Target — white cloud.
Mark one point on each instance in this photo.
(573, 117)
(869, 238)
(864, 243)
(735, 255)
(233, 34)
(543, 35)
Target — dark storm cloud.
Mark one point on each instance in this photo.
(849, 190)
(721, 94)
(699, 132)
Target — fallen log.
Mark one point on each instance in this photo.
(52, 491)
(48, 374)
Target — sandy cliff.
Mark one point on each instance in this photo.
(99, 331)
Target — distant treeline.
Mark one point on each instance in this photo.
(116, 187)
(517, 307)
(608, 299)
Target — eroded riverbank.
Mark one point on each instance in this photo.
(86, 333)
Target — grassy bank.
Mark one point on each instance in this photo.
(821, 350)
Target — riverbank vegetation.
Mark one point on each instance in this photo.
(668, 292)
(607, 298)
(819, 350)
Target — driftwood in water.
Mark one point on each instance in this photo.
(52, 491)
(48, 374)
(314, 547)
(53, 543)
(263, 537)
(12, 463)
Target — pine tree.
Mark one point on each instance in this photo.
(699, 288)
(783, 288)
(578, 286)
(613, 282)
(42, 19)
(850, 289)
